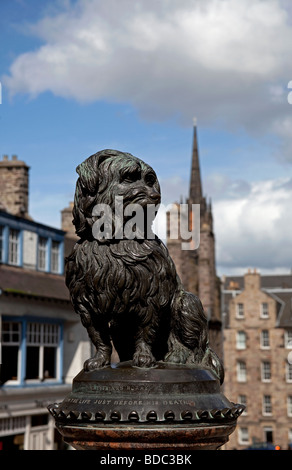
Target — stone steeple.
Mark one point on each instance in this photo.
(197, 268)
(196, 194)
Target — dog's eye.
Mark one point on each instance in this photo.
(150, 179)
(131, 176)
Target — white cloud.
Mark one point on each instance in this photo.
(252, 222)
(255, 230)
(217, 59)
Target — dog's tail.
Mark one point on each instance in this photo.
(190, 329)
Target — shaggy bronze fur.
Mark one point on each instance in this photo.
(127, 290)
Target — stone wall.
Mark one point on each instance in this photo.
(256, 420)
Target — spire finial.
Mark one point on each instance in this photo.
(196, 194)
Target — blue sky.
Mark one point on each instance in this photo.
(80, 76)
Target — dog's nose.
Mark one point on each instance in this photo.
(155, 195)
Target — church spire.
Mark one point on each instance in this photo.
(196, 195)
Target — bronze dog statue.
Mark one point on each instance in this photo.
(127, 291)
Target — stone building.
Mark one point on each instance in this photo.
(257, 316)
(197, 267)
(42, 343)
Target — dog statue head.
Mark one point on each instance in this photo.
(106, 176)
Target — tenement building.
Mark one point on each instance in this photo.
(197, 267)
(43, 346)
(257, 321)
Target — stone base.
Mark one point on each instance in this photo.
(168, 407)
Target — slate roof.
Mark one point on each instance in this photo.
(279, 286)
(279, 281)
(25, 282)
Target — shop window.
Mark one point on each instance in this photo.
(11, 338)
(30, 351)
(42, 343)
(39, 420)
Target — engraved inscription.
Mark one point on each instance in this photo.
(92, 387)
(88, 402)
(178, 402)
(127, 402)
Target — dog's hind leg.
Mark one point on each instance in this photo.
(177, 353)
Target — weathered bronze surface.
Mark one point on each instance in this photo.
(165, 392)
(126, 289)
(126, 407)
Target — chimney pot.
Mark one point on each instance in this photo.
(14, 157)
(5, 158)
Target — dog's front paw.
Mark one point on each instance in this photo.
(143, 357)
(97, 362)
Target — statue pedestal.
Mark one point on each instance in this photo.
(169, 407)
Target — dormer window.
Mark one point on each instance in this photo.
(1, 244)
(42, 253)
(13, 250)
(55, 257)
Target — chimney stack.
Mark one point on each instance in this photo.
(14, 186)
(66, 220)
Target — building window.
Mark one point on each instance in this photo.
(289, 405)
(55, 257)
(290, 438)
(30, 351)
(239, 310)
(11, 339)
(265, 339)
(240, 340)
(288, 372)
(243, 436)
(266, 371)
(241, 371)
(13, 248)
(288, 339)
(42, 253)
(267, 405)
(264, 310)
(14, 425)
(268, 434)
(1, 244)
(41, 351)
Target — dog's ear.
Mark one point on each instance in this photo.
(87, 187)
(88, 170)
